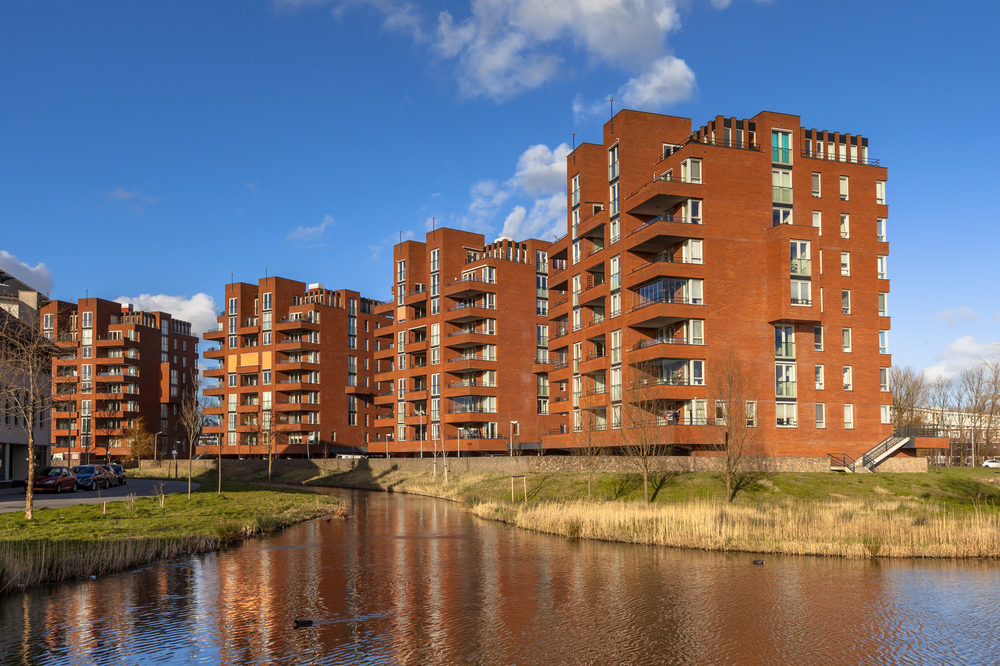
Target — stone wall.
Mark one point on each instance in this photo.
(507, 465)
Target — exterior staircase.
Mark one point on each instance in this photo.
(900, 437)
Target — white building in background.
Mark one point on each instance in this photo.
(19, 301)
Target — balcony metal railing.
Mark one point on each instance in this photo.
(471, 278)
(669, 299)
(643, 344)
(682, 219)
(867, 161)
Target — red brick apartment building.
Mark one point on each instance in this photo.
(119, 365)
(754, 239)
(296, 367)
(456, 364)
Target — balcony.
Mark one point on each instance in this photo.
(469, 415)
(359, 390)
(471, 388)
(662, 232)
(660, 195)
(304, 324)
(470, 362)
(473, 338)
(470, 286)
(462, 314)
(297, 344)
(665, 310)
(418, 296)
(543, 366)
(595, 363)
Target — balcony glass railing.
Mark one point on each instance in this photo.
(784, 349)
(783, 389)
(781, 194)
(801, 267)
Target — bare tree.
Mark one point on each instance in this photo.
(736, 435)
(591, 443)
(137, 438)
(269, 435)
(26, 385)
(193, 419)
(909, 394)
(644, 413)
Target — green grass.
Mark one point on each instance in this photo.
(956, 488)
(92, 539)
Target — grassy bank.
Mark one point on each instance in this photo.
(948, 513)
(94, 539)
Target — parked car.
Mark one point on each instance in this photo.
(991, 463)
(55, 479)
(91, 477)
(120, 471)
(112, 474)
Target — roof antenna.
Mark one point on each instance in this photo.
(574, 147)
(612, 115)
(433, 229)
(265, 272)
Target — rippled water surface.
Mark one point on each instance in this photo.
(410, 580)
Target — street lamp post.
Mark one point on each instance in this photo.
(422, 432)
(156, 443)
(175, 464)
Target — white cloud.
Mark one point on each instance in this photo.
(960, 354)
(311, 236)
(487, 198)
(542, 170)
(200, 310)
(131, 197)
(721, 4)
(546, 221)
(669, 80)
(37, 277)
(506, 46)
(953, 317)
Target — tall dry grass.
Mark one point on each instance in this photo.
(26, 563)
(853, 529)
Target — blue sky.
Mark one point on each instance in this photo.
(150, 150)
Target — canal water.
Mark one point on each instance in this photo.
(411, 580)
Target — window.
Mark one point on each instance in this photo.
(799, 254)
(232, 379)
(575, 189)
(785, 414)
(266, 376)
(880, 229)
(820, 415)
(818, 221)
(751, 407)
(845, 301)
(882, 271)
(845, 226)
(435, 384)
(692, 211)
(615, 230)
(784, 380)
(801, 292)
(232, 306)
(883, 342)
(613, 162)
(848, 378)
(616, 384)
(844, 188)
(267, 302)
(781, 147)
(883, 379)
(848, 417)
(883, 307)
(614, 198)
(435, 283)
(541, 306)
(880, 194)
(845, 264)
(820, 383)
(780, 215)
(886, 411)
(784, 341)
(615, 272)
(616, 304)
(616, 346)
(401, 271)
(720, 412)
(435, 256)
(781, 186)
(435, 306)
(691, 171)
(847, 339)
(816, 185)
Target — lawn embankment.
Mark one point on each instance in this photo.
(94, 539)
(947, 513)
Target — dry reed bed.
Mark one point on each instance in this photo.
(29, 563)
(853, 529)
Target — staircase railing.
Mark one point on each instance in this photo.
(871, 457)
(841, 460)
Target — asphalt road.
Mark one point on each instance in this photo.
(140, 487)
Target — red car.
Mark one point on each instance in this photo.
(56, 479)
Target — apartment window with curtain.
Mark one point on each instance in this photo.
(820, 415)
(848, 417)
(847, 339)
(781, 147)
(845, 188)
(816, 185)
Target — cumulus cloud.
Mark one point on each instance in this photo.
(960, 354)
(545, 221)
(311, 236)
(667, 81)
(37, 277)
(200, 310)
(506, 47)
(953, 317)
(503, 48)
(133, 198)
